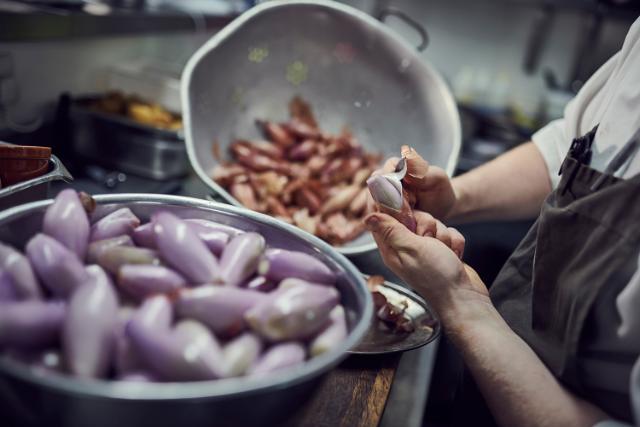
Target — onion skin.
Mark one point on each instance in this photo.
(144, 236)
(214, 226)
(241, 353)
(31, 324)
(18, 267)
(7, 287)
(98, 247)
(187, 353)
(293, 312)
(216, 240)
(240, 258)
(66, 221)
(391, 199)
(59, 269)
(279, 357)
(117, 223)
(260, 284)
(182, 249)
(220, 308)
(332, 335)
(141, 281)
(280, 264)
(111, 259)
(87, 338)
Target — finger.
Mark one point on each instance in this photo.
(457, 242)
(426, 224)
(389, 166)
(417, 167)
(443, 234)
(389, 233)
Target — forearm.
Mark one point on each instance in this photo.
(517, 386)
(510, 187)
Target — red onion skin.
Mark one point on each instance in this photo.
(66, 221)
(220, 308)
(240, 258)
(280, 264)
(31, 324)
(88, 339)
(278, 357)
(59, 269)
(117, 223)
(18, 267)
(182, 249)
(293, 312)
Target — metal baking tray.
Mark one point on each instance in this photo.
(33, 189)
(122, 144)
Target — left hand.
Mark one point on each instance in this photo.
(429, 261)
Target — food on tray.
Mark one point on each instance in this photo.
(301, 175)
(137, 109)
(394, 316)
(169, 300)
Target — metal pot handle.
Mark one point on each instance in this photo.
(418, 27)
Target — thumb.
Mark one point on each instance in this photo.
(388, 231)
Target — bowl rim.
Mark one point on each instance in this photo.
(215, 389)
(185, 82)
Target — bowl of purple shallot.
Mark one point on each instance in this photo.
(151, 307)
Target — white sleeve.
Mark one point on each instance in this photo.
(553, 143)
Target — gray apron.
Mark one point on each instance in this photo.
(558, 289)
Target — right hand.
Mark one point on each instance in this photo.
(432, 187)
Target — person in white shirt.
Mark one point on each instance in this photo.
(555, 341)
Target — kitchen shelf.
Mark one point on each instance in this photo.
(26, 22)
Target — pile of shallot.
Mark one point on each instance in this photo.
(301, 175)
(169, 300)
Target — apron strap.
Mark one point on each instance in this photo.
(619, 159)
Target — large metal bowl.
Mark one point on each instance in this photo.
(34, 398)
(351, 68)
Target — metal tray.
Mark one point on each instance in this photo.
(33, 189)
(127, 146)
(351, 68)
(381, 340)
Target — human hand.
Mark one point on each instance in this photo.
(430, 185)
(429, 261)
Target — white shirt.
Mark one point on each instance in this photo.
(611, 98)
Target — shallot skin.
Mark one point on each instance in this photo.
(278, 357)
(240, 258)
(19, 269)
(280, 264)
(66, 221)
(58, 268)
(31, 324)
(88, 339)
(117, 223)
(181, 248)
(222, 309)
(142, 281)
(293, 312)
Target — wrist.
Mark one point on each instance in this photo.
(461, 200)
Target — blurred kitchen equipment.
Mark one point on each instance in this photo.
(352, 69)
(35, 188)
(381, 340)
(54, 399)
(120, 143)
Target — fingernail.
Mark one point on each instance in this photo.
(372, 222)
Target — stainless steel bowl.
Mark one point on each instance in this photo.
(50, 399)
(351, 68)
